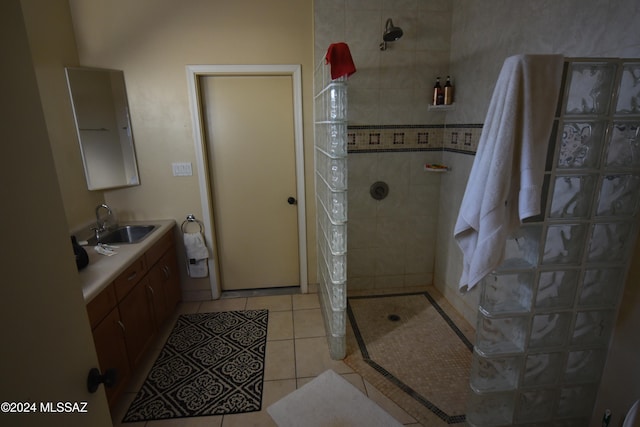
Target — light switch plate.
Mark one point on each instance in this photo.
(182, 169)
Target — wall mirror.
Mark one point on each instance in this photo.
(101, 112)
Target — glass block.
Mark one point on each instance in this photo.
(521, 249)
(333, 202)
(337, 347)
(623, 150)
(336, 265)
(629, 93)
(500, 335)
(609, 242)
(536, 405)
(543, 369)
(335, 291)
(590, 87)
(331, 103)
(572, 196)
(601, 287)
(584, 366)
(334, 317)
(593, 327)
(335, 235)
(495, 373)
(581, 144)
(556, 289)
(491, 409)
(576, 401)
(564, 244)
(507, 293)
(549, 330)
(332, 171)
(618, 195)
(332, 138)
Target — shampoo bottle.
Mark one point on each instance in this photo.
(448, 92)
(438, 95)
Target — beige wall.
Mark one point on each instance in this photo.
(53, 47)
(47, 349)
(153, 41)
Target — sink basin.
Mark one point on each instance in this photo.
(124, 234)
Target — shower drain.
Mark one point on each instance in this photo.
(393, 317)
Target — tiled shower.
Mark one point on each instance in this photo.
(546, 315)
(389, 93)
(392, 241)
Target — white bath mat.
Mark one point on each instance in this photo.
(329, 401)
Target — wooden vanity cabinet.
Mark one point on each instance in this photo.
(164, 282)
(137, 320)
(166, 292)
(108, 338)
(111, 348)
(126, 315)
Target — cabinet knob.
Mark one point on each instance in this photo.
(95, 378)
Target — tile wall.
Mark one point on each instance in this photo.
(392, 242)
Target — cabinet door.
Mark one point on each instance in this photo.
(108, 337)
(172, 290)
(156, 296)
(166, 282)
(137, 319)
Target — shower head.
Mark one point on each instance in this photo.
(391, 34)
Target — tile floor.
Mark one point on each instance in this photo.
(297, 352)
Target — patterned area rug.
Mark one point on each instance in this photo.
(416, 349)
(212, 364)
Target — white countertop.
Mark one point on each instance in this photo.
(103, 269)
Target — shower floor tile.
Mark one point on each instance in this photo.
(414, 348)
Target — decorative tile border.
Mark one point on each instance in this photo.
(459, 138)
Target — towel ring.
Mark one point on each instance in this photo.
(191, 219)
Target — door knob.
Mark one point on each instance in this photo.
(292, 201)
(95, 378)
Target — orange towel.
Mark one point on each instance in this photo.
(339, 56)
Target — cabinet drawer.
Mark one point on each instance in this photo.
(155, 252)
(101, 305)
(128, 278)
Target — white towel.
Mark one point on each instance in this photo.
(632, 418)
(505, 183)
(197, 254)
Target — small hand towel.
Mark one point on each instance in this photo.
(198, 268)
(506, 178)
(194, 246)
(197, 254)
(339, 56)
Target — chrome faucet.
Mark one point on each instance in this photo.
(102, 225)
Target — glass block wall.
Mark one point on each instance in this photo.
(330, 117)
(547, 314)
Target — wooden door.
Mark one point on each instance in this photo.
(249, 122)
